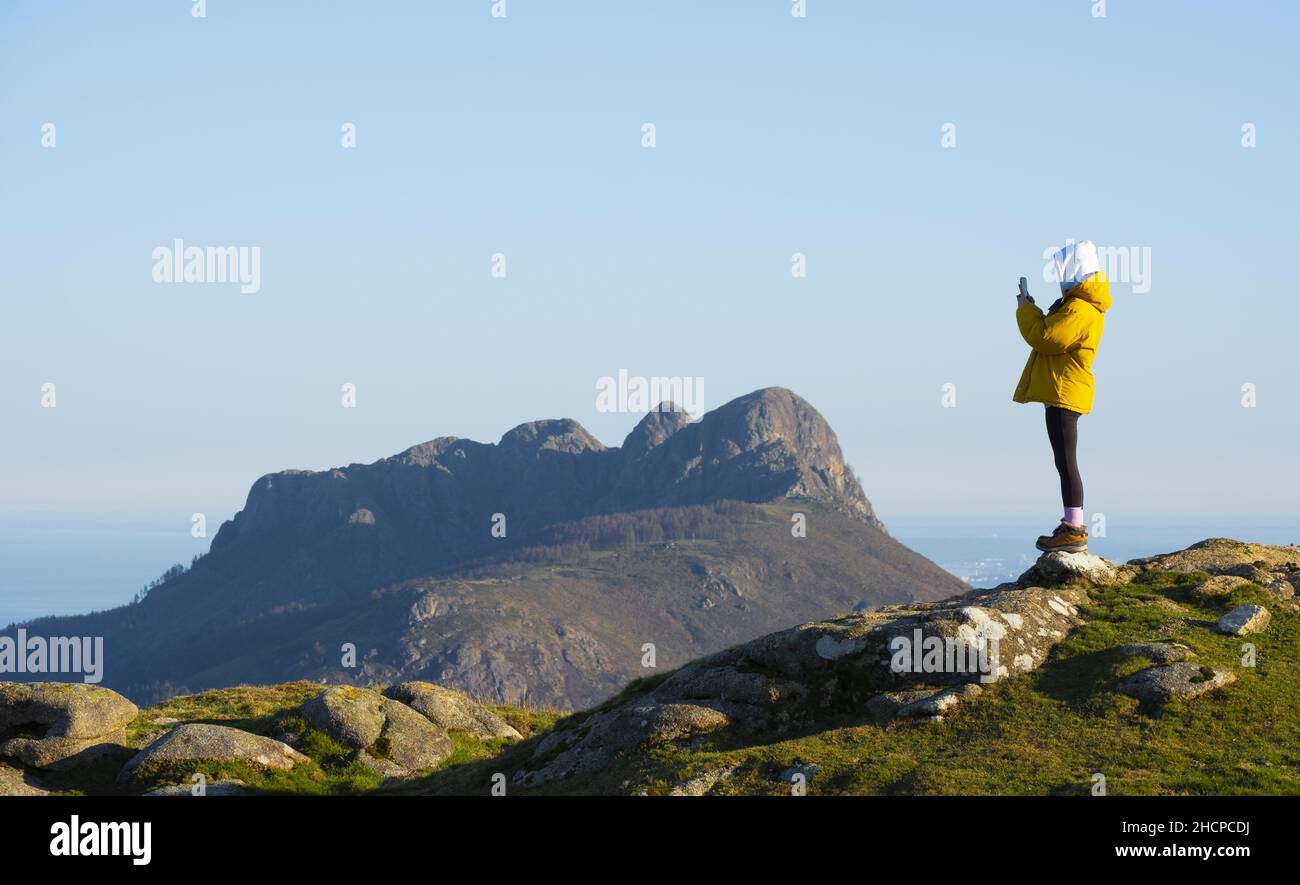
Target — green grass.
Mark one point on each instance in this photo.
(248, 707)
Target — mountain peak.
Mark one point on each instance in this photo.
(556, 434)
(775, 413)
(658, 424)
(768, 444)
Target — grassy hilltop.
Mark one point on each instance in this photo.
(1046, 731)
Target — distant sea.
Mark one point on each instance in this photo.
(48, 566)
(53, 568)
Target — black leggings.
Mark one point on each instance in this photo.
(1063, 431)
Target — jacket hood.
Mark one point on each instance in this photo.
(1095, 290)
(1075, 262)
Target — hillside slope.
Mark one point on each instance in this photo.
(817, 707)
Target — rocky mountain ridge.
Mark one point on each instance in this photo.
(531, 570)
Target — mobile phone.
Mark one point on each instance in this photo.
(1024, 289)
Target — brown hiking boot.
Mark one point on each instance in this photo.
(1066, 538)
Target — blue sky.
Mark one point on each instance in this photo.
(775, 135)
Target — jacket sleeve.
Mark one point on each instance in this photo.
(1052, 333)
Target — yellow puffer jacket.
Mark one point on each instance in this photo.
(1064, 342)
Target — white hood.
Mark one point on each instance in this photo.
(1075, 262)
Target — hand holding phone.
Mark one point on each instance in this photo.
(1024, 290)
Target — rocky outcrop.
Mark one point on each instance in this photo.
(192, 744)
(937, 652)
(1244, 619)
(450, 710)
(928, 705)
(61, 725)
(386, 735)
(1060, 567)
(1275, 568)
(1186, 680)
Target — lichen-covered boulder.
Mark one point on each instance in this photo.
(193, 743)
(1244, 619)
(1060, 567)
(607, 735)
(61, 724)
(935, 705)
(386, 735)
(1183, 680)
(58, 754)
(64, 709)
(451, 710)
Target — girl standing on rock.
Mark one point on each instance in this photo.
(1063, 344)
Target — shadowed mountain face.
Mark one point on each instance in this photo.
(679, 540)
